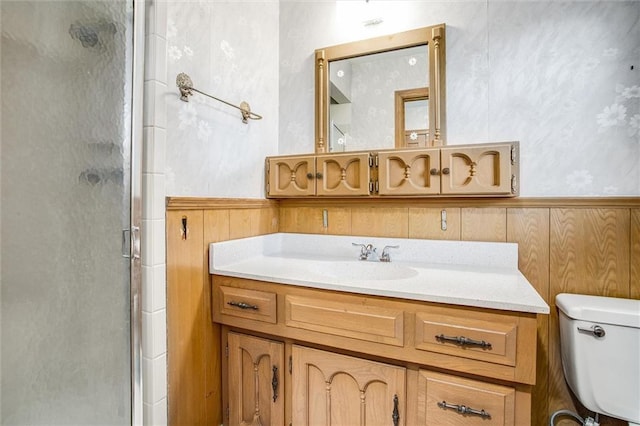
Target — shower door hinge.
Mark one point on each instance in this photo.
(131, 243)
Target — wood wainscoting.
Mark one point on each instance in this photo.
(193, 341)
(577, 245)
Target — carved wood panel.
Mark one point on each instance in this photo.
(409, 172)
(291, 176)
(482, 170)
(256, 381)
(336, 389)
(342, 174)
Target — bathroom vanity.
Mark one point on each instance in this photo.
(442, 334)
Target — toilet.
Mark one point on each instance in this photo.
(600, 346)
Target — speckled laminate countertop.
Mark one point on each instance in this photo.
(465, 273)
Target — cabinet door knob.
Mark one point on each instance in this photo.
(446, 171)
(433, 172)
(309, 175)
(318, 175)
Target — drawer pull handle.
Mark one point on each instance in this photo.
(463, 341)
(274, 383)
(463, 409)
(395, 416)
(243, 305)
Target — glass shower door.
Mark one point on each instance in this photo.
(66, 69)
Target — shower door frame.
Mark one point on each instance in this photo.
(137, 106)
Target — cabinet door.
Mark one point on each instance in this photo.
(343, 174)
(291, 176)
(338, 390)
(448, 400)
(485, 169)
(409, 172)
(255, 381)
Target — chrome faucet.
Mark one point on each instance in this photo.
(366, 251)
(369, 252)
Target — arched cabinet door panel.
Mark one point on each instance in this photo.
(409, 172)
(481, 170)
(334, 175)
(291, 176)
(333, 389)
(255, 381)
(343, 174)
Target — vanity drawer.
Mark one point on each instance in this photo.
(350, 316)
(469, 334)
(452, 400)
(246, 303)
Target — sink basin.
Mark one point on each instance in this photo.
(363, 270)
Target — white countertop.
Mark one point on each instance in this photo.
(465, 273)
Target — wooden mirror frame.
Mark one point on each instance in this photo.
(433, 36)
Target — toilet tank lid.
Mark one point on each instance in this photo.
(608, 310)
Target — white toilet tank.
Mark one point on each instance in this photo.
(600, 345)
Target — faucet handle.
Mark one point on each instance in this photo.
(364, 250)
(385, 253)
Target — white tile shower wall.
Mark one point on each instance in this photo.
(556, 75)
(154, 348)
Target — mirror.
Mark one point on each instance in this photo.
(359, 84)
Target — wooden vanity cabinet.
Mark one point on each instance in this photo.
(358, 359)
(335, 175)
(456, 170)
(484, 169)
